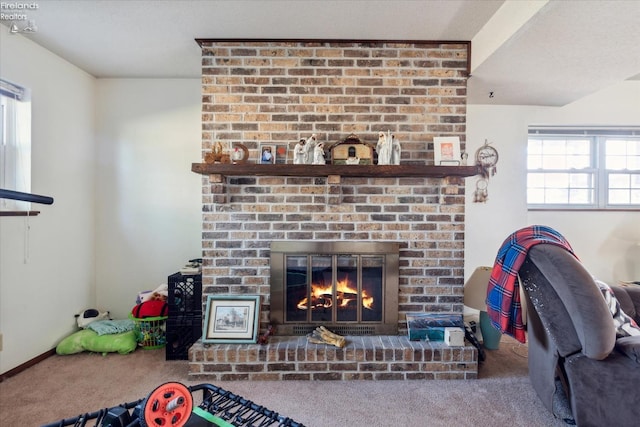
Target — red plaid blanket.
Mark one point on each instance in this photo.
(503, 295)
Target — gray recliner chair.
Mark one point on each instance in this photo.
(572, 341)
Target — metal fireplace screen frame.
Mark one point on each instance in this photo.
(384, 324)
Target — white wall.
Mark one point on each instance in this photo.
(124, 192)
(148, 200)
(606, 242)
(47, 263)
(116, 156)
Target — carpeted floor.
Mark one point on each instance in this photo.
(65, 386)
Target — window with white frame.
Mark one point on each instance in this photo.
(15, 143)
(583, 168)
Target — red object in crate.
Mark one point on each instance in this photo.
(153, 308)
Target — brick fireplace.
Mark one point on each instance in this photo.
(277, 92)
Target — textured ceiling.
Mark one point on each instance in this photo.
(538, 52)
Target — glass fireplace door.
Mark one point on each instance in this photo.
(349, 287)
(334, 288)
(372, 276)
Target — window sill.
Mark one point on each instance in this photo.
(19, 213)
(567, 209)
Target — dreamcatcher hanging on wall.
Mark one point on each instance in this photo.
(486, 158)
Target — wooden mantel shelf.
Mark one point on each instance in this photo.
(375, 171)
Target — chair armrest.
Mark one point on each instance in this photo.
(629, 298)
(580, 296)
(634, 292)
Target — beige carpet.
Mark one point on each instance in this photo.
(65, 386)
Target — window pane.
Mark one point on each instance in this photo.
(535, 180)
(618, 180)
(557, 195)
(535, 195)
(575, 147)
(624, 188)
(534, 162)
(617, 197)
(534, 147)
(557, 180)
(578, 162)
(622, 154)
(559, 153)
(616, 162)
(554, 162)
(553, 146)
(560, 188)
(580, 180)
(616, 147)
(580, 197)
(633, 154)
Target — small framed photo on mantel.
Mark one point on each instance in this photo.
(267, 154)
(446, 151)
(282, 151)
(231, 319)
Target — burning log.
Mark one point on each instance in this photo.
(322, 335)
(345, 294)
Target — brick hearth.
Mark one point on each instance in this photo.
(363, 358)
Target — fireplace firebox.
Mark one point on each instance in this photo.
(349, 287)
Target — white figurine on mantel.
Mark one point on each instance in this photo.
(300, 153)
(309, 147)
(318, 154)
(396, 150)
(383, 148)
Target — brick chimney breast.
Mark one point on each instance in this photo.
(276, 92)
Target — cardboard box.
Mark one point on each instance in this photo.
(431, 326)
(454, 337)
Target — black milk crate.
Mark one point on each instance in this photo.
(180, 336)
(185, 294)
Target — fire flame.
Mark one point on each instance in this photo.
(345, 295)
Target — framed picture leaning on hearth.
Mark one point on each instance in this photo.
(231, 319)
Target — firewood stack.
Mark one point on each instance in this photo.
(322, 335)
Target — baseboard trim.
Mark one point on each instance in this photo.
(26, 365)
